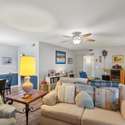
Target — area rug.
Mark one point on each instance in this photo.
(34, 117)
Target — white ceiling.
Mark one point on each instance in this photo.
(28, 21)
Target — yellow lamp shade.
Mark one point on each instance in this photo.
(27, 66)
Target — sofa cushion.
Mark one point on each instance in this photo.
(74, 80)
(10, 121)
(99, 116)
(123, 108)
(107, 98)
(104, 83)
(64, 112)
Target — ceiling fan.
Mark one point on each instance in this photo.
(78, 37)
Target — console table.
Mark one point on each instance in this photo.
(18, 97)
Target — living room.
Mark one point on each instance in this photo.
(62, 62)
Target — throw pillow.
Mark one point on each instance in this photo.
(123, 108)
(107, 98)
(66, 93)
(50, 99)
(83, 99)
(58, 85)
(87, 88)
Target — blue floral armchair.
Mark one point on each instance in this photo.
(7, 114)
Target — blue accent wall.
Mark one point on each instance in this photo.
(33, 79)
(11, 77)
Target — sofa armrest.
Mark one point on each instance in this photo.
(50, 99)
(122, 92)
(7, 111)
(123, 108)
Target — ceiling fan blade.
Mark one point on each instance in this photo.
(90, 40)
(67, 36)
(87, 34)
(65, 41)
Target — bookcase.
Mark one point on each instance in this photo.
(118, 75)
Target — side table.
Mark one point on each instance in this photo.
(18, 97)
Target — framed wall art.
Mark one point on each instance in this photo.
(60, 57)
(6, 60)
(118, 59)
(70, 61)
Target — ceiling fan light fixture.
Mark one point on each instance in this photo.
(76, 40)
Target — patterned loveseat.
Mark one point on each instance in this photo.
(7, 114)
(56, 113)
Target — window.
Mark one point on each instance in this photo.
(88, 65)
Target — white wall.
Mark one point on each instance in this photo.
(108, 60)
(98, 52)
(9, 51)
(47, 59)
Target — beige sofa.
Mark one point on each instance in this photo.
(54, 113)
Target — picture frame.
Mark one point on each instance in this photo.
(6, 60)
(70, 60)
(60, 57)
(118, 59)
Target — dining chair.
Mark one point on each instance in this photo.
(2, 88)
(8, 84)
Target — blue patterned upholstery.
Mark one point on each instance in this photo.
(103, 83)
(7, 114)
(7, 111)
(107, 98)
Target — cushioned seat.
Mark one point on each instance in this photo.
(99, 116)
(10, 121)
(64, 112)
(7, 111)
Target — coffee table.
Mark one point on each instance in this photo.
(18, 97)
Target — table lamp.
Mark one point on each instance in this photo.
(27, 69)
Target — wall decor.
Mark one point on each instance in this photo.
(70, 61)
(118, 59)
(60, 57)
(100, 59)
(6, 60)
(104, 54)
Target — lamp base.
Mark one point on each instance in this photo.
(27, 86)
